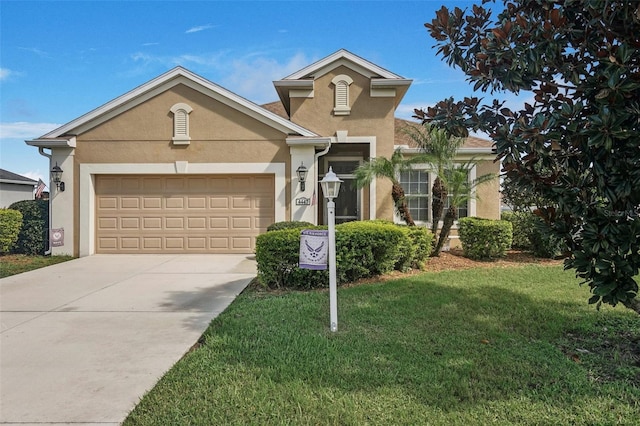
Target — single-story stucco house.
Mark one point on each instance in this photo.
(15, 187)
(182, 165)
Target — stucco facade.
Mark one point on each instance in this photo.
(183, 131)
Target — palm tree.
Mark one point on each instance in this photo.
(382, 167)
(439, 150)
(461, 191)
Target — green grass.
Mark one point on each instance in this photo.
(507, 346)
(17, 263)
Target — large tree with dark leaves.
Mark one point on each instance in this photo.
(577, 144)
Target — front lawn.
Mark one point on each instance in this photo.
(12, 264)
(516, 345)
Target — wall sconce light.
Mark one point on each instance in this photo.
(302, 175)
(56, 177)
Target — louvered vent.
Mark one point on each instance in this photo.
(181, 123)
(342, 83)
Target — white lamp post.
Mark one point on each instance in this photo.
(330, 188)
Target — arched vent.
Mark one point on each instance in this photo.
(342, 105)
(181, 123)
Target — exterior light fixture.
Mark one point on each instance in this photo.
(330, 188)
(56, 177)
(302, 175)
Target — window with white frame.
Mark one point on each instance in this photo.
(417, 187)
(341, 103)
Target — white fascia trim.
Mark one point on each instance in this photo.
(383, 83)
(53, 143)
(88, 171)
(319, 142)
(324, 65)
(164, 82)
(19, 182)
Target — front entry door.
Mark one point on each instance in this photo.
(348, 201)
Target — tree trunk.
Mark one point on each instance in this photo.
(447, 223)
(633, 304)
(437, 205)
(397, 193)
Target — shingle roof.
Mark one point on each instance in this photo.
(7, 175)
(400, 137)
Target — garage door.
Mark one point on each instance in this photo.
(182, 214)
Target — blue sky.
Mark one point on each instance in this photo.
(61, 59)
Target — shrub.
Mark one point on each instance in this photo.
(290, 225)
(523, 227)
(421, 239)
(10, 224)
(363, 249)
(484, 239)
(532, 234)
(32, 238)
(543, 242)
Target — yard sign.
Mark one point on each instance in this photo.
(314, 249)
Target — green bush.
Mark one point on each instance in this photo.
(290, 225)
(523, 227)
(421, 240)
(484, 239)
(363, 249)
(32, 239)
(10, 224)
(532, 234)
(544, 243)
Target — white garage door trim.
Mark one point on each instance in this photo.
(87, 186)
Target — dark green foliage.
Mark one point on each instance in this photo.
(10, 224)
(484, 239)
(35, 226)
(523, 224)
(363, 249)
(531, 233)
(575, 146)
(290, 225)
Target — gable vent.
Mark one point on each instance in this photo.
(342, 83)
(181, 123)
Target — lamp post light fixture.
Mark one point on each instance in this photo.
(330, 188)
(56, 177)
(301, 171)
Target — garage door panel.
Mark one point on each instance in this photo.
(152, 203)
(182, 214)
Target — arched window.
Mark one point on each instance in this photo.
(181, 123)
(341, 105)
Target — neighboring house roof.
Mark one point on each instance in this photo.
(173, 77)
(304, 78)
(401, 138)
(9, 177)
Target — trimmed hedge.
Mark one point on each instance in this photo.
(290, 225)
(484, 239)
(10, 225)
(32, 238)
(532, 234)
(363, 249)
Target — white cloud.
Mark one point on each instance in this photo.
(253, 75)
(406, 111)
(199, 28)
(25, 130)
(35, 175)
(5, 73)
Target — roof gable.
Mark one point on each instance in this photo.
(302, 81)
(9, 177)
(164, 82)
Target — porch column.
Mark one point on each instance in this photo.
(302, 205)
(62, 211)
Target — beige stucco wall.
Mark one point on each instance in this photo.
(488, 194)
(369, 116)
(219, 134)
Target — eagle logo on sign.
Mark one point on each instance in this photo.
(314, 252)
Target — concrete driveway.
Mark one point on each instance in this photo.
(82, 341)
